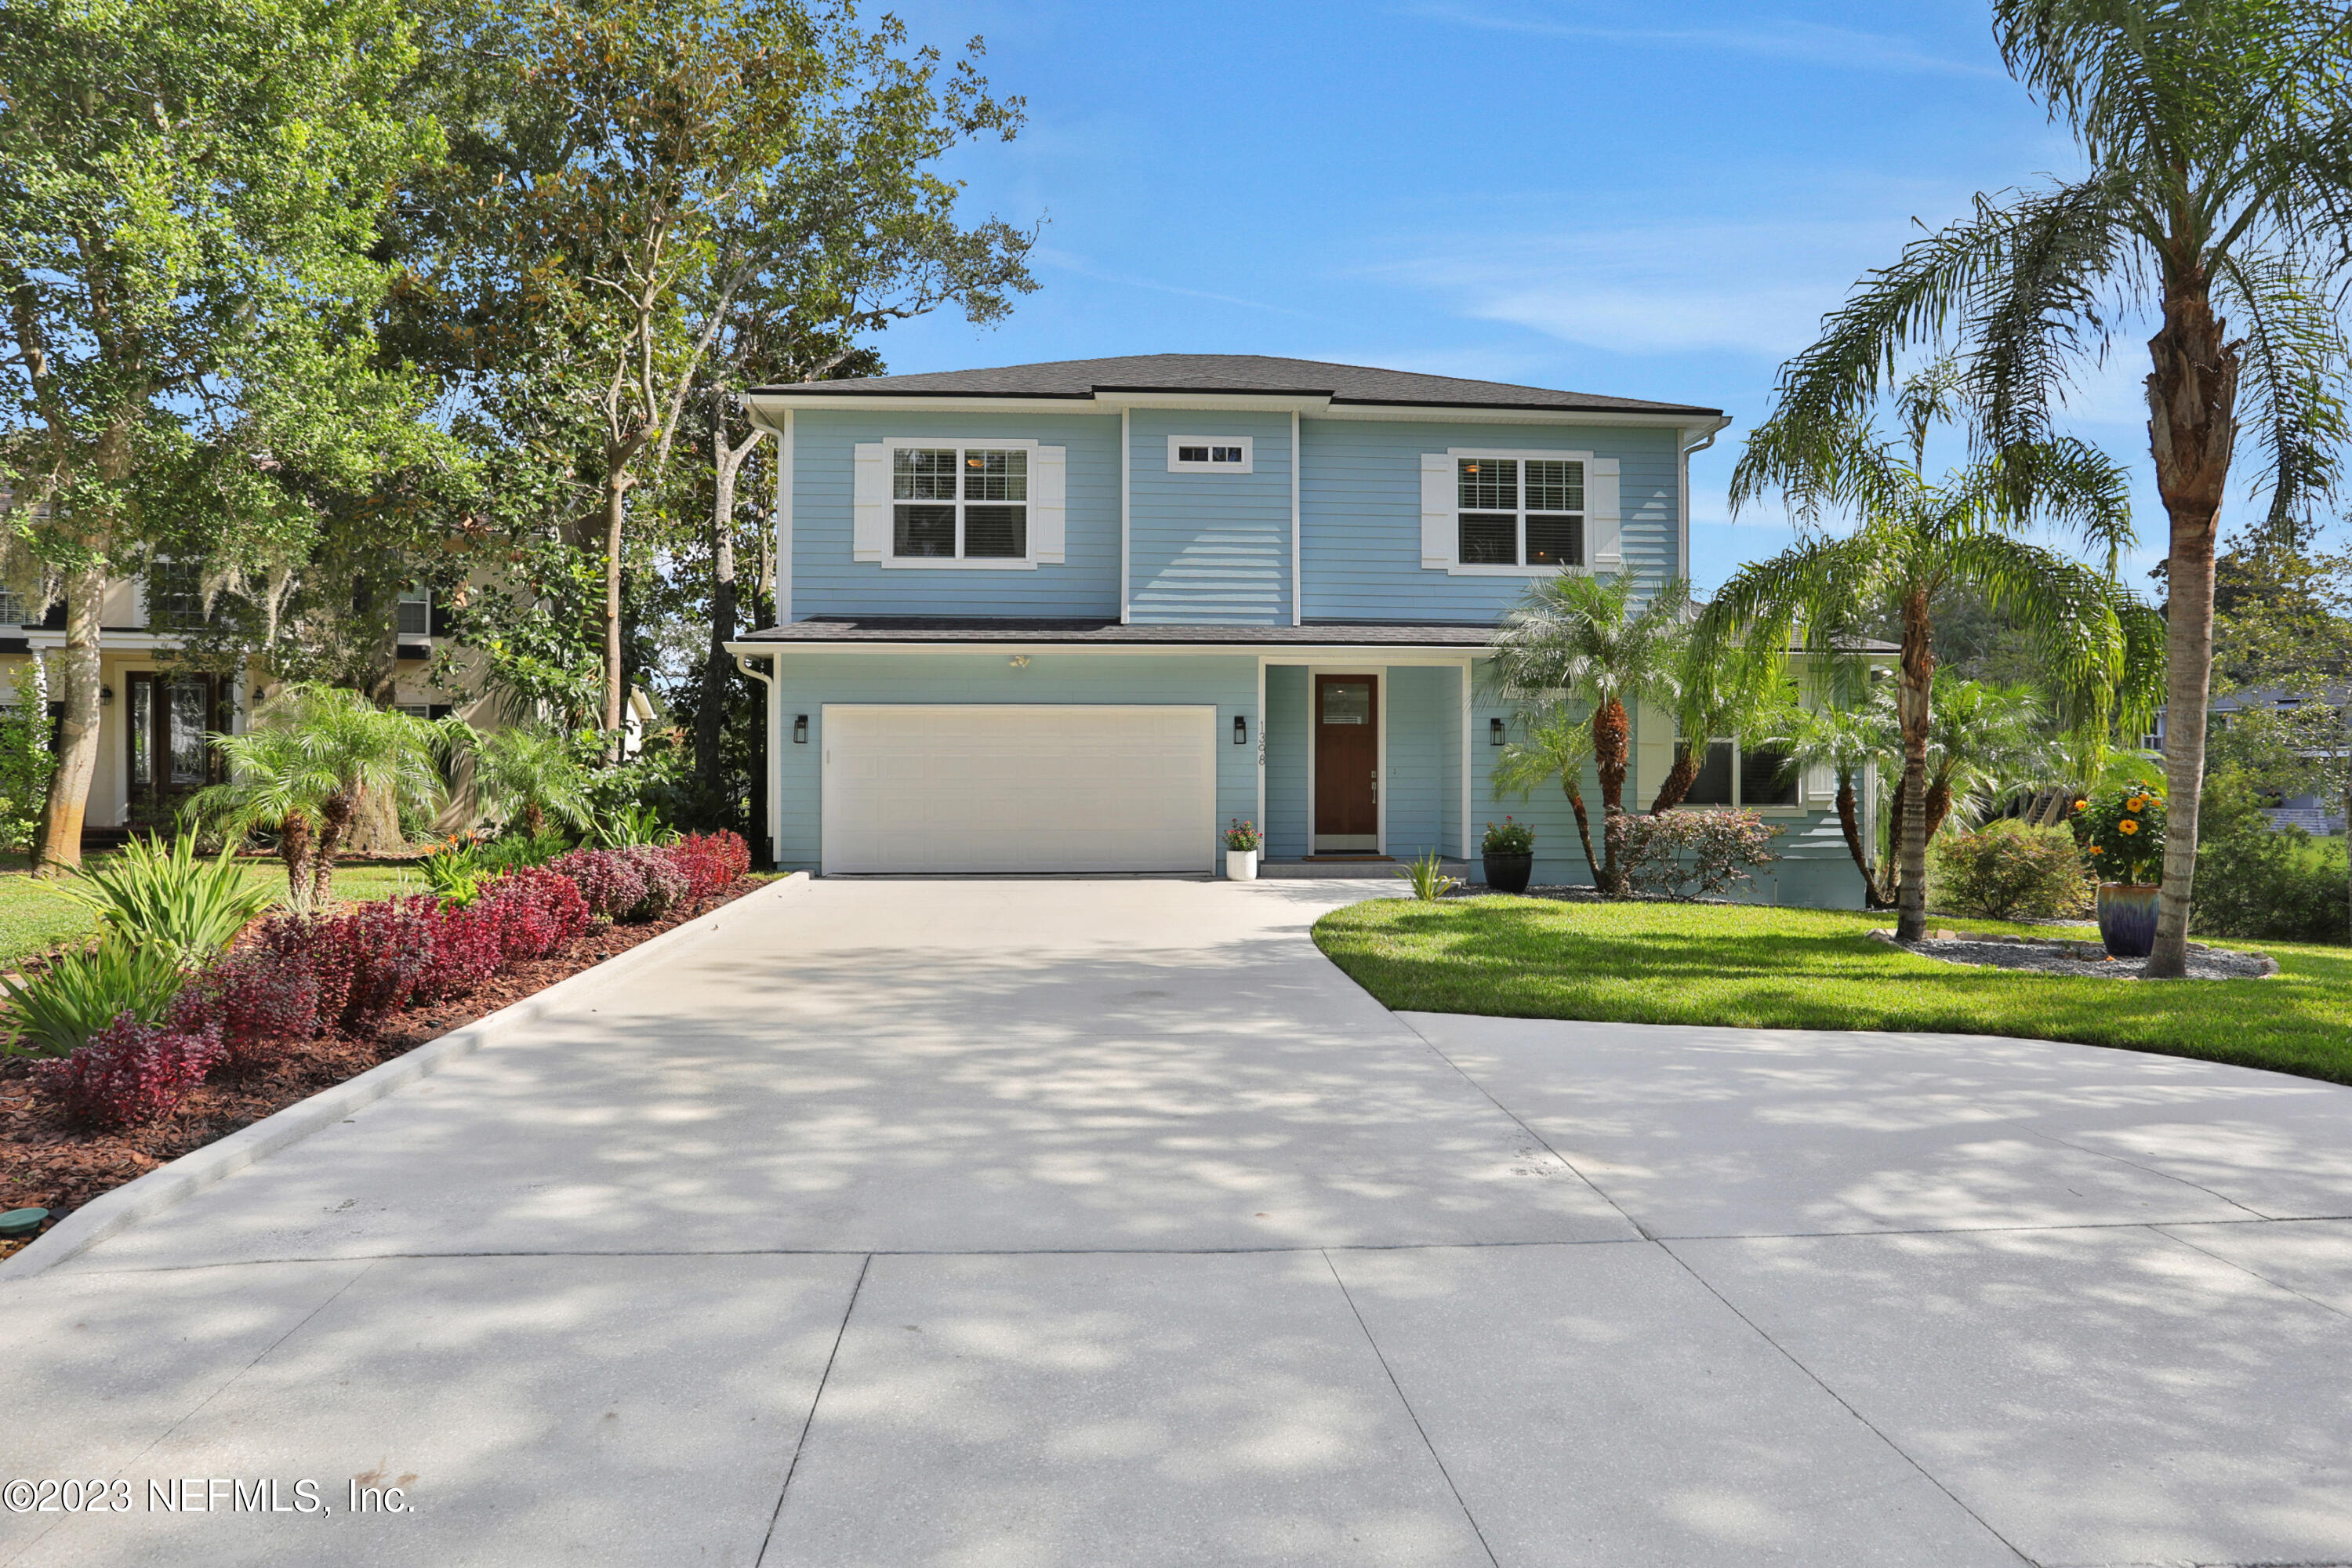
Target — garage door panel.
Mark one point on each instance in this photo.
(1089, 787)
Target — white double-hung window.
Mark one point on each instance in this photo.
(948, 503)
(1518, 513)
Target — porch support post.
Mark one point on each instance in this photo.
(1125, 569)
(1467, 737)
(1260, 727)
(1297, 584)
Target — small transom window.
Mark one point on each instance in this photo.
(1211, 454)
(1519, 511)
(959, 503)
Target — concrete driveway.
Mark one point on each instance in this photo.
(1093, 1222)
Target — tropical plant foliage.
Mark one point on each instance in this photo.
(2216, 193)
(151, 895)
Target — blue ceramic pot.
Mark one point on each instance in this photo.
(2128, 918)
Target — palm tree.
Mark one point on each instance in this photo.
(1722, 690)
(1914, 539)
(1584, 639)
(1986, 742)
(1846, 737)
(530, 773)
(313, 752)
(2218, 136)
(1557, 746)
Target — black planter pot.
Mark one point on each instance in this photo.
(1510, 873)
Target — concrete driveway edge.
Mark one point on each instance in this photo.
(192, 1172)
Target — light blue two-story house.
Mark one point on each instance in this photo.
(1079, 617)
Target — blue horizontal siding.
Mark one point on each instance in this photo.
(1359, 501)
(827, 580)
(1286, 736)
(1208, 548)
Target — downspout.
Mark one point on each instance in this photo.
(775, 753)
(1682, 489)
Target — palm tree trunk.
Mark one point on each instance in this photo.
(1679, 778)
(294, 848)
(56, 846)
(2192, 399)
(1939, 806)
(1611, 735)
(1849, 823)
(1583, 825)
(335, 814)
(1917, 682)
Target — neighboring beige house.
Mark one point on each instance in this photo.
(153, 718)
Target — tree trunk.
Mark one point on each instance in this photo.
(1849, 823)
(1911, 698)
(57, 849)
(1939, 806)
(718, 667)
(2192, 424)
(335, 814)
(1611, 736)
(375, 828)
(294, 848)
(1583, 825)
(1679, 778)
(617, 490)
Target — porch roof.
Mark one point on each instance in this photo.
(992, 629)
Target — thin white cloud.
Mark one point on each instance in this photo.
(1066, 261)
(1781, 38)
(1752, 288)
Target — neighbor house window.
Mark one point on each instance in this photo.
(1733, 775)
(1520, 511)
(12, 608)
(175, 597)
(1211, 454)
(414, 615)
(952, 503)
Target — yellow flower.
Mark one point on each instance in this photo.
(2098, 849)
(2135, 803)
(2080, 804)
(2127, 828)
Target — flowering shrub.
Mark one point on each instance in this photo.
(1686, 855)
(2122, 832)
(259, 1000)
(709, 861)
(534, 911)
(466, 949)
(2010, 870)
(666, 887)
(609, 881)
(1243, 836)
(1511, 837)
(130, 1073)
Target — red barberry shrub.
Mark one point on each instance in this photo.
(129, 1074)
(317, 944)
(261, 1001)
(709, 861)
(392, 942)
(609, 881)
(665, 885)
(466, 949)
(537, 912)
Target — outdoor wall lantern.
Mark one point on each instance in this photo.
(800, 729)
(1493, 731)
(105, 695)
(1241, 730)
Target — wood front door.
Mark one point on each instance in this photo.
(170, 757)
(1346, 765)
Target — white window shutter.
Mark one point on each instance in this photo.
(1603, 550)
(1821, 783)
(1048, 470)
(869, 532)
(1437, 495)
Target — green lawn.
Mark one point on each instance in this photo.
(1815, 969)
(35, 918)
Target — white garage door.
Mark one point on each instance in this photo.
(981, 788)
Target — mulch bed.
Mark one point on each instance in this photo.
(47, 1163)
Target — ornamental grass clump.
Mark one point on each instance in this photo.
(153, 896)
(57, 1007)
(131, 1073)
(2122, 834)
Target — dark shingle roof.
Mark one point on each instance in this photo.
(1344, 384)
(983, 629)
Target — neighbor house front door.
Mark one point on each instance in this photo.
(170, 757)
(1346, 765)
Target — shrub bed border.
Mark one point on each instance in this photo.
(166, 1185)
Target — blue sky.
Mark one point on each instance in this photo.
(1648, 200)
